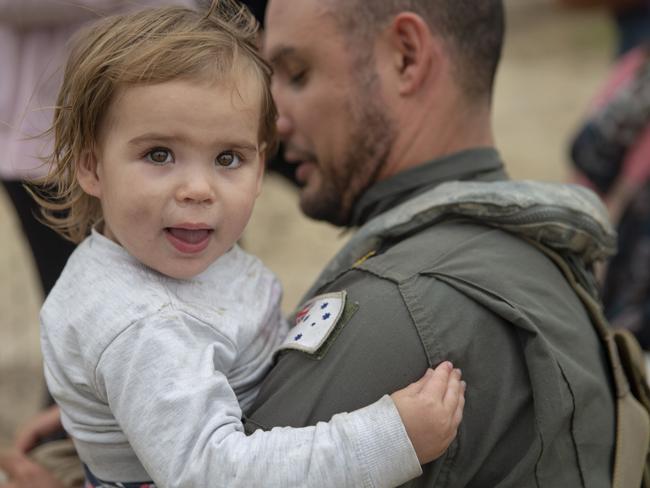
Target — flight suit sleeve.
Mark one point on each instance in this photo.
(391, 333)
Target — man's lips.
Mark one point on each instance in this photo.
(189, 240)
(296, 154)
(304, 169)
(304, 159)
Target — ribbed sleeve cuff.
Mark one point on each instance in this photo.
(383, 447)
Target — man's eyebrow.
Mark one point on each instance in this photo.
(279, 54)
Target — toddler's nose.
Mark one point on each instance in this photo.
(195, 189)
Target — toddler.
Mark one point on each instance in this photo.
(160, 329)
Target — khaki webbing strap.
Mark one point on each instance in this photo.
(630, 351)
(632, 419)
(632, 355)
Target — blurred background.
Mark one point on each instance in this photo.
(554, 62)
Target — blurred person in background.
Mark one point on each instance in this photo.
(611, 153)
(626, 288)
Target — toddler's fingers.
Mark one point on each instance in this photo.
(458, 414)
(454, 391)
(436, 382)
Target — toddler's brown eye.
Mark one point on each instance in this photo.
(159, 156)
(228, 159)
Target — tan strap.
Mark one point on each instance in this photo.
(632, 396)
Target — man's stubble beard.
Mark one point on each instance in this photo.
(366, 152)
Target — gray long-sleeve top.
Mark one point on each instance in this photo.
(148, 372)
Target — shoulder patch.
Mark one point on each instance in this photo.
(314, 322)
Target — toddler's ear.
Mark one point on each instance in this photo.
(87, 176)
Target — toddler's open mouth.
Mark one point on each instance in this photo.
(188, 240)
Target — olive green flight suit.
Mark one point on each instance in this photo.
(539, 409)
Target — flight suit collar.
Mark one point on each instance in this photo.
(482, 164)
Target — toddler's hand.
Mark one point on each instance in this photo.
(431, 410)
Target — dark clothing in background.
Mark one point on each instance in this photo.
(602, 144)
(633, 26)
(50, 250)
(257, 7)
(276, 162)
(626, 293)
(600, 151)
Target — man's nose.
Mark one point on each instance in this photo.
(284, 126)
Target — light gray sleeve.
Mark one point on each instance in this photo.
(165, 382)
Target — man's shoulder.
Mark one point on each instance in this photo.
(413, 285)
(448, 247)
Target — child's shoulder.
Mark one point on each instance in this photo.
(101, 269)
(101, 291)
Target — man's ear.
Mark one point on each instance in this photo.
(87, 174)
(414, 51)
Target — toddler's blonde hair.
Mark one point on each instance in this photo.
(146, 47)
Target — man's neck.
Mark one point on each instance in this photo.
(436, 135)
(477, 164)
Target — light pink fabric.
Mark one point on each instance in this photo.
(33, 41)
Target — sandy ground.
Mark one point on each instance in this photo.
(554, 61)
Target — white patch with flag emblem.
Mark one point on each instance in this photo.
(315, 322)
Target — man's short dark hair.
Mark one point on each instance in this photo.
(473, 30)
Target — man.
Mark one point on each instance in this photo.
(380, 104)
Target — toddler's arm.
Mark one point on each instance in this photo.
(184, 423)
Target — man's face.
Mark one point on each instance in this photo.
(332, 119)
